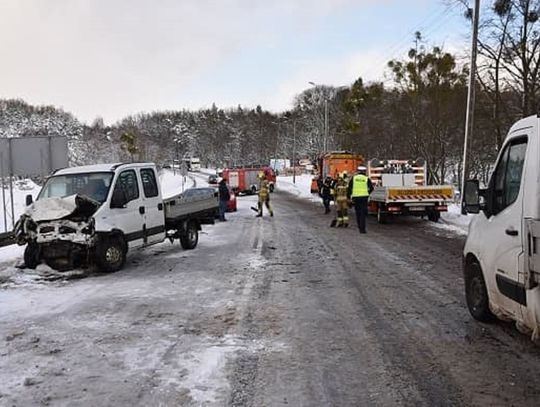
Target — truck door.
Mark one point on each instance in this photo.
(504, 229)
(154, 218)
(129, 218)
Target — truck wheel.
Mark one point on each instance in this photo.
(434, 216)
(190, 237)
(32, 255)
(253, 190)
(381, 216)
(476, 294)
(110, 254)
(271, 188)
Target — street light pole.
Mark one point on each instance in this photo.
(294, 152)
(469, 119)
(325, 123)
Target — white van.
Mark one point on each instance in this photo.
(501, 256)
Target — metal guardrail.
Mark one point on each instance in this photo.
(7, 239)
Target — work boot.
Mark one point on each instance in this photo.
(258, 215)
(272, 213)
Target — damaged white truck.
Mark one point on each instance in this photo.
(94, 215)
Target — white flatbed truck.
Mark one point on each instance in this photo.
(96, 214)
(399, 188)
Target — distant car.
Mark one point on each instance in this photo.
(166, 167)
(212, 179)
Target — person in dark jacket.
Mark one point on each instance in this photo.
(224, 197)
(326, 192)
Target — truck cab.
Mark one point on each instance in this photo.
(501, 256)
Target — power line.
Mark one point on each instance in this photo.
(430, 25)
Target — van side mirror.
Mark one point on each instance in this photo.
(29, 200)
(471, 197)
(119, 198)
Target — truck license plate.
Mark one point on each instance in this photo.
(417, 208)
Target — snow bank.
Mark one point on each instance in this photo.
(301, 187)
(174, 183)
(454, 220)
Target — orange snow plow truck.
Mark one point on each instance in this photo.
(334, 163)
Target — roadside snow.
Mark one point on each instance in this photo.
(300, 188)
(453, 220)
(173, 183)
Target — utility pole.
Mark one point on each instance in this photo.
(469, 119)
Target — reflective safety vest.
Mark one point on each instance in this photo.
(360, 186)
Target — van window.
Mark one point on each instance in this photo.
(149, 183)
(507, 176)
(127, 181)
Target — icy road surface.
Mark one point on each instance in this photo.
(264, 312)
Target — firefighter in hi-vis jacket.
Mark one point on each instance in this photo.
(264, 195)
(342, 206)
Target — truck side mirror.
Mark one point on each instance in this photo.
(29, 200)
(471, 197)
(119, 198)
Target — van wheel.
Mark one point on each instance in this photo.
(476, 294)
(190, 237)
(32, 255)
(110, 254)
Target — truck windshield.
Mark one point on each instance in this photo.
(94, 185)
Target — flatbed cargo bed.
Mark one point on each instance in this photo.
(200, 203)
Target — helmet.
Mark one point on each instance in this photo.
(361, 168)
(260, 175)
(343, 175)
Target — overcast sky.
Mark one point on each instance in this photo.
(112, 58)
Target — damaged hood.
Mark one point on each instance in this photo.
(60, 208)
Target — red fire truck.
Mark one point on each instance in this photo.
(243, 180)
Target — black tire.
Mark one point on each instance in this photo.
(253, 190)
(110, 254)
(271, 188)
(381, 216)
(434, 216)
(32, 255)
(190, 237)
(476, 294)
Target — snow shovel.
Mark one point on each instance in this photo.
(254, 209)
